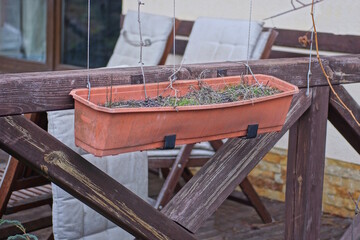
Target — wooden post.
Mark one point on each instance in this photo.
(305, 170)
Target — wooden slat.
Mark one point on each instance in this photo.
(29, 182)
(36, 92)
(327, 41)
(46, 91)
(28, 203)
(174, 175)
(156, 162)
(305, 170)
(342, 119)
(214, 182)
(283, 54)
(35, 147)
(6, 184)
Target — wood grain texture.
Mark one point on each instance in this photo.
(305, 170)
(216, 180)
(342, 119)
(36, 92)
(35, 147)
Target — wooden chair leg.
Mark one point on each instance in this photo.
(174, 176)
(7, 182)
(255, 200)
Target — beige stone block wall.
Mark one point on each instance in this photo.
(341, 178)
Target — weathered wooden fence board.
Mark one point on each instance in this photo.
(305, 170)
(36, 92)
(215, 181)
(35, 147)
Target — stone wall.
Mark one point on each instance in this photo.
(341, 178)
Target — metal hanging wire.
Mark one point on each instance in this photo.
(140, 3)
(249, 36)
(88, 50)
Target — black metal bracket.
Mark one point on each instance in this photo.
(221, 73)
(136, 79)
(252, 131)
(169, 142)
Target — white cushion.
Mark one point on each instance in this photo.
(260, 45)
(155, 30)
(74, 220)
(215, 40)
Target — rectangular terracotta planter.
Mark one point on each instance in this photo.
(108, 131)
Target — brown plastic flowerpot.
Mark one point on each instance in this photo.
(108, 131)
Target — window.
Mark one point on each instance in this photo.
(23, 29)
(43, 35)
(105, 30)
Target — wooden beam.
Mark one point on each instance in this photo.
(305, 170)
(35, 147)
(342, 119)
(36, 92)
(217, 179)
(47, 91)
(327, 41)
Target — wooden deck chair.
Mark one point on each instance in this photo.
(213, 40)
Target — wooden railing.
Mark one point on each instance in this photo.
(204, 193)
(347, 44)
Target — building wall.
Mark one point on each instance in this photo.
(339, 17)
(269, 180)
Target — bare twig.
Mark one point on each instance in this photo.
(141, 47)
(323, 69)
(292, 10)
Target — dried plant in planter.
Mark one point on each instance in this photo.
(205, 109)
(203, 95)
